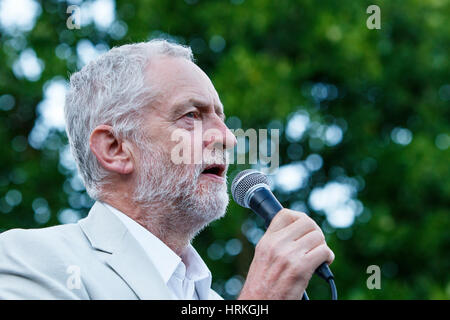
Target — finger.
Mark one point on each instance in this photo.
(310, 241)
(319, 255)
(299, 228)
(284, 218)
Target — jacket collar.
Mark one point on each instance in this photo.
(107, 233)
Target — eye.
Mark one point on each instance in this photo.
(192, 115)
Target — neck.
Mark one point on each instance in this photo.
(162, 220)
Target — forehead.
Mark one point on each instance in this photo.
(180, 80)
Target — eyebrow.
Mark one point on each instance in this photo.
(199, 104)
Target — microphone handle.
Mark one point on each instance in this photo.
(266, 205)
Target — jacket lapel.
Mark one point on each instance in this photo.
(127, 258)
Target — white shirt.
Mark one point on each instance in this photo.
(187, 277)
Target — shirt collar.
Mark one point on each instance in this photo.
(167, 262)
(198, 272)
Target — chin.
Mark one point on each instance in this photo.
(212, 202)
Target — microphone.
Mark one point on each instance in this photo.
(250, 189)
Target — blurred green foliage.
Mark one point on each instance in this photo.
(387, 91)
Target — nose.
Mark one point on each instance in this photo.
(230, 139)
(219, 135)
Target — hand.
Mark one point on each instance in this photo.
(286, 258)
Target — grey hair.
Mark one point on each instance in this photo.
(113, 90)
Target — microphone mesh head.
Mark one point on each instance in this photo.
(243, 181)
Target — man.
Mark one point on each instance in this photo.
(122, 112)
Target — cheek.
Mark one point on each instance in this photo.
(190, 146)
(186, 143)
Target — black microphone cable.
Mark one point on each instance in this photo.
(325, 273)
(332, 288)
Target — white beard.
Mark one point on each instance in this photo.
(190, 204)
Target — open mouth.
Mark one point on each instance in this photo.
(215, 170)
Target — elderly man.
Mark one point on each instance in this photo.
(122, 111)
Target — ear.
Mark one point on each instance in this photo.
(113, 154)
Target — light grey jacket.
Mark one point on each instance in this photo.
(96, 258)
